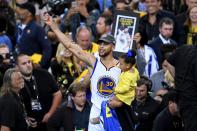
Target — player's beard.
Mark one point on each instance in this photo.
(106, 53)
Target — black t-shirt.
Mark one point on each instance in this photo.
(11, 112)
(143, 114)
(81, 119)
(185, 63)
(70, 118)
(46, 87)
(166, 122)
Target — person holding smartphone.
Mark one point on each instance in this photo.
(82, 12)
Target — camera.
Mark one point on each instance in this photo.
(6, 65)
(58, 6)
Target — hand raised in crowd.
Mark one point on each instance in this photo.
(83, 10)
(71, 12)
(49, 21)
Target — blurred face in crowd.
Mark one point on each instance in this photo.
(17, 81)
(22, 14)
(121, 6)
(25, 65)
(3, 52)
(21, 1)
(105, 49)
(141, 93)
(164, 65)
(101, 27)
(173, 108)
(84, 39)
(191, 3)
(193, 15)
(152, 6)
(166, 30)
(80, 98)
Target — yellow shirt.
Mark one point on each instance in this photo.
(189, 35)
(125, 90)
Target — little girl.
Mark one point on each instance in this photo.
(125, 89)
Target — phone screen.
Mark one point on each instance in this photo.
(74, 4)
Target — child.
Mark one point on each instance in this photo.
(125, 89)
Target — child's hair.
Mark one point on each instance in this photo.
(129, 57)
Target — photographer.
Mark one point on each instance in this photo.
(6, 60)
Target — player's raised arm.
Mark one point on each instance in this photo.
(68, 43)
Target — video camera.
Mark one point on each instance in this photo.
(58, 6)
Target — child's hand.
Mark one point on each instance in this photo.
(114, 102)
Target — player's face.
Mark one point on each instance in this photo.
(105, 49)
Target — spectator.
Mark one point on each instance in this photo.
(183, 65)
(149, 24)
(31, 38)
(169, 118)
(41, 95)
(11, 109)
(6, 61)
(121, 5)
(105, 74)
(146, 59)
(64, 68)
(158, 78)
(80, 13)
(103, 25)
(182, 18)
(166, 28)
(190, 29)
(74, 114)
(144, 108)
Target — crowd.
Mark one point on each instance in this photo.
(62, 67)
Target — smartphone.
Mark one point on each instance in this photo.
(74, 4)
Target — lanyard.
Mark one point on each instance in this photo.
(35, 89)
